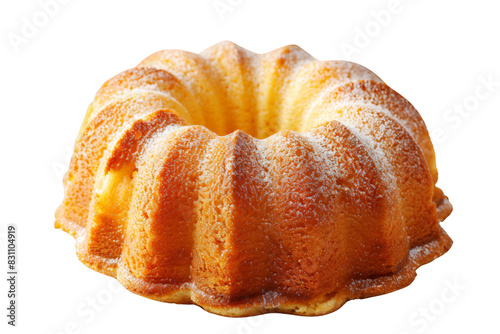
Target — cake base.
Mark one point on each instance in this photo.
(271, 301)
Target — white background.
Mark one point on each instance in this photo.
(437, 54)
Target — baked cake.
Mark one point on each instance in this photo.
(249, 183)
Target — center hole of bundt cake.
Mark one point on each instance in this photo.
(261, 123)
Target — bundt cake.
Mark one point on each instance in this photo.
(250, 183)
